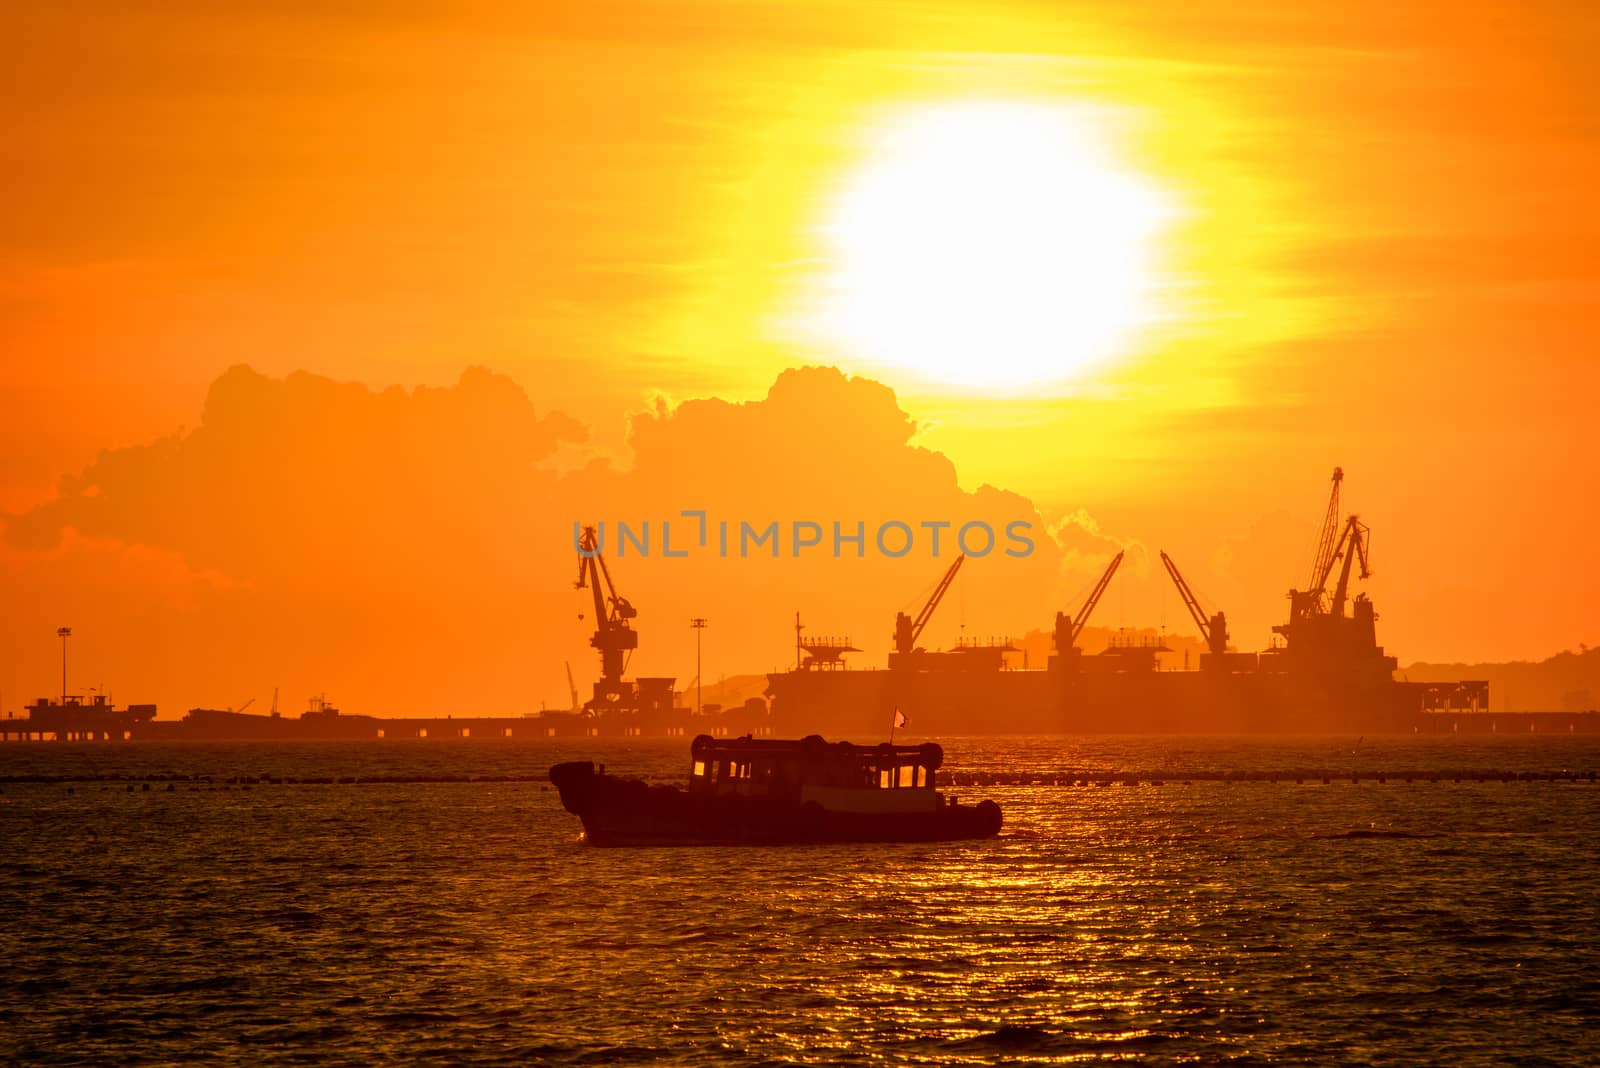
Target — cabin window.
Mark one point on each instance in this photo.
(908, 775)
(699, 769)
(885, 778)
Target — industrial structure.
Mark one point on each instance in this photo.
(641, 706)
(1325, 671)
(73, 719)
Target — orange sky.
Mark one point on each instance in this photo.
(1382, 257)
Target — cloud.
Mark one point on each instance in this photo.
(411, 551)
(1087, 549)
(295, 475)
(825, 448)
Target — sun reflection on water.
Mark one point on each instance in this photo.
(1143, 924)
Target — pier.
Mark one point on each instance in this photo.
(75, 720)
(72, 719)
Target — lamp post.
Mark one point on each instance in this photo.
(699, 624)
(63, 633)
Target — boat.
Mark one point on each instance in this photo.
(764, 791)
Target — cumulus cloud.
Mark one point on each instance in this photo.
(822, 448)
(288, 475)
(411, 551)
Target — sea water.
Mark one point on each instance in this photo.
(437, 905)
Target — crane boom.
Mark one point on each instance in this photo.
(1327, 541)
(1214, 630)
(907, 630)
(586, 567)
(1352, 545)
(1188, 596)
(1093, 599)
(614, 636)
(938, 595)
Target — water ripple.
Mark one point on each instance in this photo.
(442, 909)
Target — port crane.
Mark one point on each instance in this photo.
(1347, 542)
(1320, 639)
(1352, 546)
(1069, 629)
(907, 630)
(614, 635)
(1215, 629)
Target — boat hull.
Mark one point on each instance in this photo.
(628, 812)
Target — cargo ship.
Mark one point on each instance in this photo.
(1325, 672)
(320, 722)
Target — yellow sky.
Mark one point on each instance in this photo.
(1384, 260)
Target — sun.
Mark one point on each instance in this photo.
(997, 245)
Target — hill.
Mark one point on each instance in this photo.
(1565, 682)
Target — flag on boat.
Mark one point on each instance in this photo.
(900, 719)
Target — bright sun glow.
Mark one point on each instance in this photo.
(994, 245)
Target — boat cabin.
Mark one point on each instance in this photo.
(839, 776)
